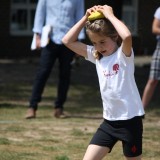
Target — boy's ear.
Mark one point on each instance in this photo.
(115, 38)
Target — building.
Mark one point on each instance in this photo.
(17, 18)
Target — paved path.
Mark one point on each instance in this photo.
(142, 60)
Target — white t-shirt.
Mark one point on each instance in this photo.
(120, 96)
(157, 15)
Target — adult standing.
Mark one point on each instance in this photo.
(60, 15)
(154, 76)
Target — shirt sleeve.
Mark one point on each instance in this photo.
(39, 16)
(123, 58)
(79, 15)
(90, 57)
(157, 13)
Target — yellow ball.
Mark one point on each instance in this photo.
(95, 15)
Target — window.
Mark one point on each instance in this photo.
(129, 15)
(22, 16)
(23, 12)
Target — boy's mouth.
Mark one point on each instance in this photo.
(102, 52)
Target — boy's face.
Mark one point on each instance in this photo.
(103, 44)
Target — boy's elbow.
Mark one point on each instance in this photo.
(155, 31)
(64, 41)
(128, 37)
(67, 42)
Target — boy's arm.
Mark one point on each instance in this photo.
(121, 28)
(70, 40)
(156, 22)
(156, 26)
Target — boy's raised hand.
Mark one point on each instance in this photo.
(106, 10)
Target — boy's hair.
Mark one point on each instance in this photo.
(103, 27)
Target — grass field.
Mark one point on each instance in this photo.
(47, 138)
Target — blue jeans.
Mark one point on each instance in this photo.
(49, 55)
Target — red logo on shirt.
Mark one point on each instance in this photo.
(114, 71)
(116, 68)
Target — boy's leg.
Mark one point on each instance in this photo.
(134, 158)
(95, 152)
(148, 92)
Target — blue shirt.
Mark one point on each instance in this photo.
(61, 15)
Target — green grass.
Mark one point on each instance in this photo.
(48, 138)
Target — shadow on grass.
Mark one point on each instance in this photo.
(83, 96)
(85, 117)
(8, 105)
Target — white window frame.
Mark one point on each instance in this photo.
(28, 7)
(130, 16)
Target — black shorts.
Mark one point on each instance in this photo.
(128, 131)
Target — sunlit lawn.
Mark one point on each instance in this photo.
(47, 138)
